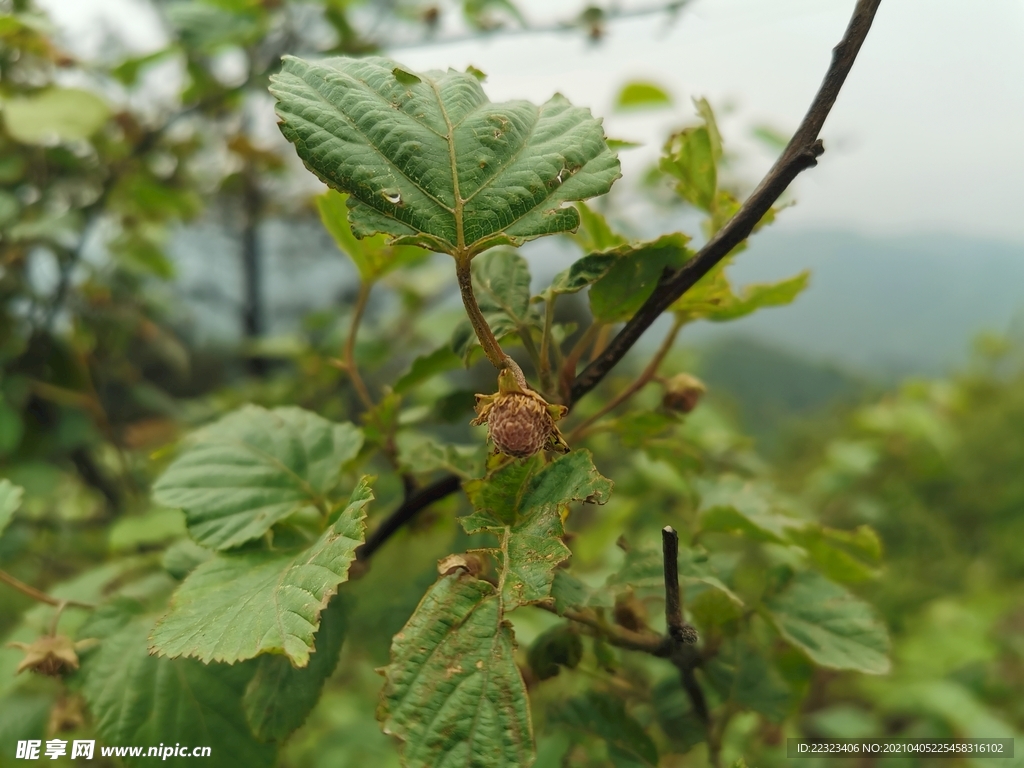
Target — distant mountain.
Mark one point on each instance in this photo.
(886, 306)
(882, 306)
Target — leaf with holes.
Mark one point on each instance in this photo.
(242, 604)
(429, 160)
(253, 468)
(453, 692)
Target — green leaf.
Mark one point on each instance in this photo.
(154, 527)
(10, 500)
(732, 505)
(425, 367)
(183, 557)
(569, 592)
(631, 279)
(559, 646)
(584, 272)
(372, 256)
(436, 164)
(641, 95)
(136, 698)
(64, 114)
(715, 301)
(522, 505)
(841, 555)
(708, 116)
(675, 715)
(744, 677)
(830, 625)
(253, 468)
(605, 716)
(689, 158)
(207, 28)
(239, 605)
(595, 233)
(501, 282)
(10, 207)
(453, 692)
(644, 568)
(420, 454)
(280, 697)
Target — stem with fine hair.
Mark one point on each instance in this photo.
(483, 331)
(639, 383)
(545, 341)
(39, 596)
(350, 345)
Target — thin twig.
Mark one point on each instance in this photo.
(407, 511)
(544, 371)
(350, 346)
(641, 381)
(801, 153)
(645, 642)
(670, 9)
(568, 371)
(38, 596)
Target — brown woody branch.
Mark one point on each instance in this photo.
(801, 153)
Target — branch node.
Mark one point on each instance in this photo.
(680, 632)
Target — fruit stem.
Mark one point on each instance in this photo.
(490, 344)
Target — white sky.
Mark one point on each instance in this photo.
(926, 135)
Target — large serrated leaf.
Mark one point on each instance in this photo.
(139, 699)
(732, 504)
(253, 468)
(240, 605)
(280, 697)
(830, 625)
(453, 692)
(522, 505)
(429, 160)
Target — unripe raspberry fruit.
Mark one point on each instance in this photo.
(519, 422)
(682, 393)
